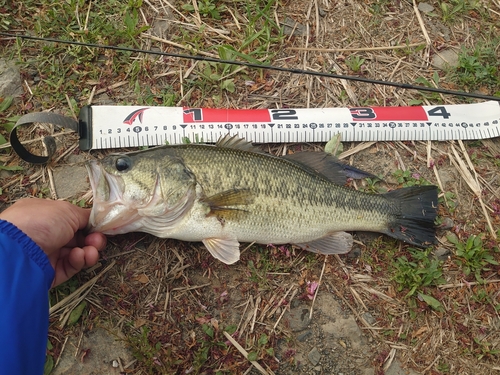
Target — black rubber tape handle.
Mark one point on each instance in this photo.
(50, 143)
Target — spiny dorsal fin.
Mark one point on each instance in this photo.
(237, 143)
(326, 165)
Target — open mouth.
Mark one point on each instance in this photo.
(109, 213)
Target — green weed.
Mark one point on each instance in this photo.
(261, 349)
(443, 367)
(450, 200)
(145, 351)
(417, 272)
(63, 69)
(379, 7)
(261, 31)
(63, 290)
(472, 256)
(372, 187)
(207, 8)
(7, 122)
(431, 96)
(49, 359)
(408, 178)
(455, 9)
(478, 67)
(355, 63)
(485, 349)
(214, 342)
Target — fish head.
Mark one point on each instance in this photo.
(138, 192)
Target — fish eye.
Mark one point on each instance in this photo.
(122, 164)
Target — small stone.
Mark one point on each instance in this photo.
(354, 253)
(396, 369)
(70, 180)
(442, 253)
(10, 79)
(314, 356)
(369, 318)
(447, 223)
(318, 369)
(322, 12)
(298, 318)
(425, 8)
(445, 59)
(304, 335)
(291, 27)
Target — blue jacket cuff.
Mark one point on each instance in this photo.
(30, 249)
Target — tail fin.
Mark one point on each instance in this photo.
(414, 223)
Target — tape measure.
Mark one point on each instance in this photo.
(102, 127)
(133, 126)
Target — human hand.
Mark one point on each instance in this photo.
(57, 227)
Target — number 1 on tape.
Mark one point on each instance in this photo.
(133, 126)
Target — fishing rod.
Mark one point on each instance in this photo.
(256, 65)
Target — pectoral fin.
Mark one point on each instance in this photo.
(228, 201)
(225, 250)
(335, 243)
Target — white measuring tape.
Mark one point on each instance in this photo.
(132, 126)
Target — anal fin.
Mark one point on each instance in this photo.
(225, 250)
(334, 243)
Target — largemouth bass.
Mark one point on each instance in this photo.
(228, 193)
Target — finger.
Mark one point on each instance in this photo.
(97, 240)
(78, 240)
(74, 261)
(69, 265)
(91, 256)
(81, 215)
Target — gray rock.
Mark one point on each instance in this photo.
(291, 27)
(354, 253)
(298, 318)
(314, 356)
(103, 348)
(425, 8)
(447, 223)
(396, 369)
(346, 328)
(442, 253)
(304, 335)
(10, 79)
(327, 305)
(71, 180)
(369, 318)
(445, 59)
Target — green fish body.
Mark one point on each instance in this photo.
(228, 193)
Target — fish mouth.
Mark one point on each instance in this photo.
(110, 214)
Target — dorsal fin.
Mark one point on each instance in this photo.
(326, 165)
(237, 143)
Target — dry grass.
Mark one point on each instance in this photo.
(163, 291)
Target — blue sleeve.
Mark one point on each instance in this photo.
(25, 279)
